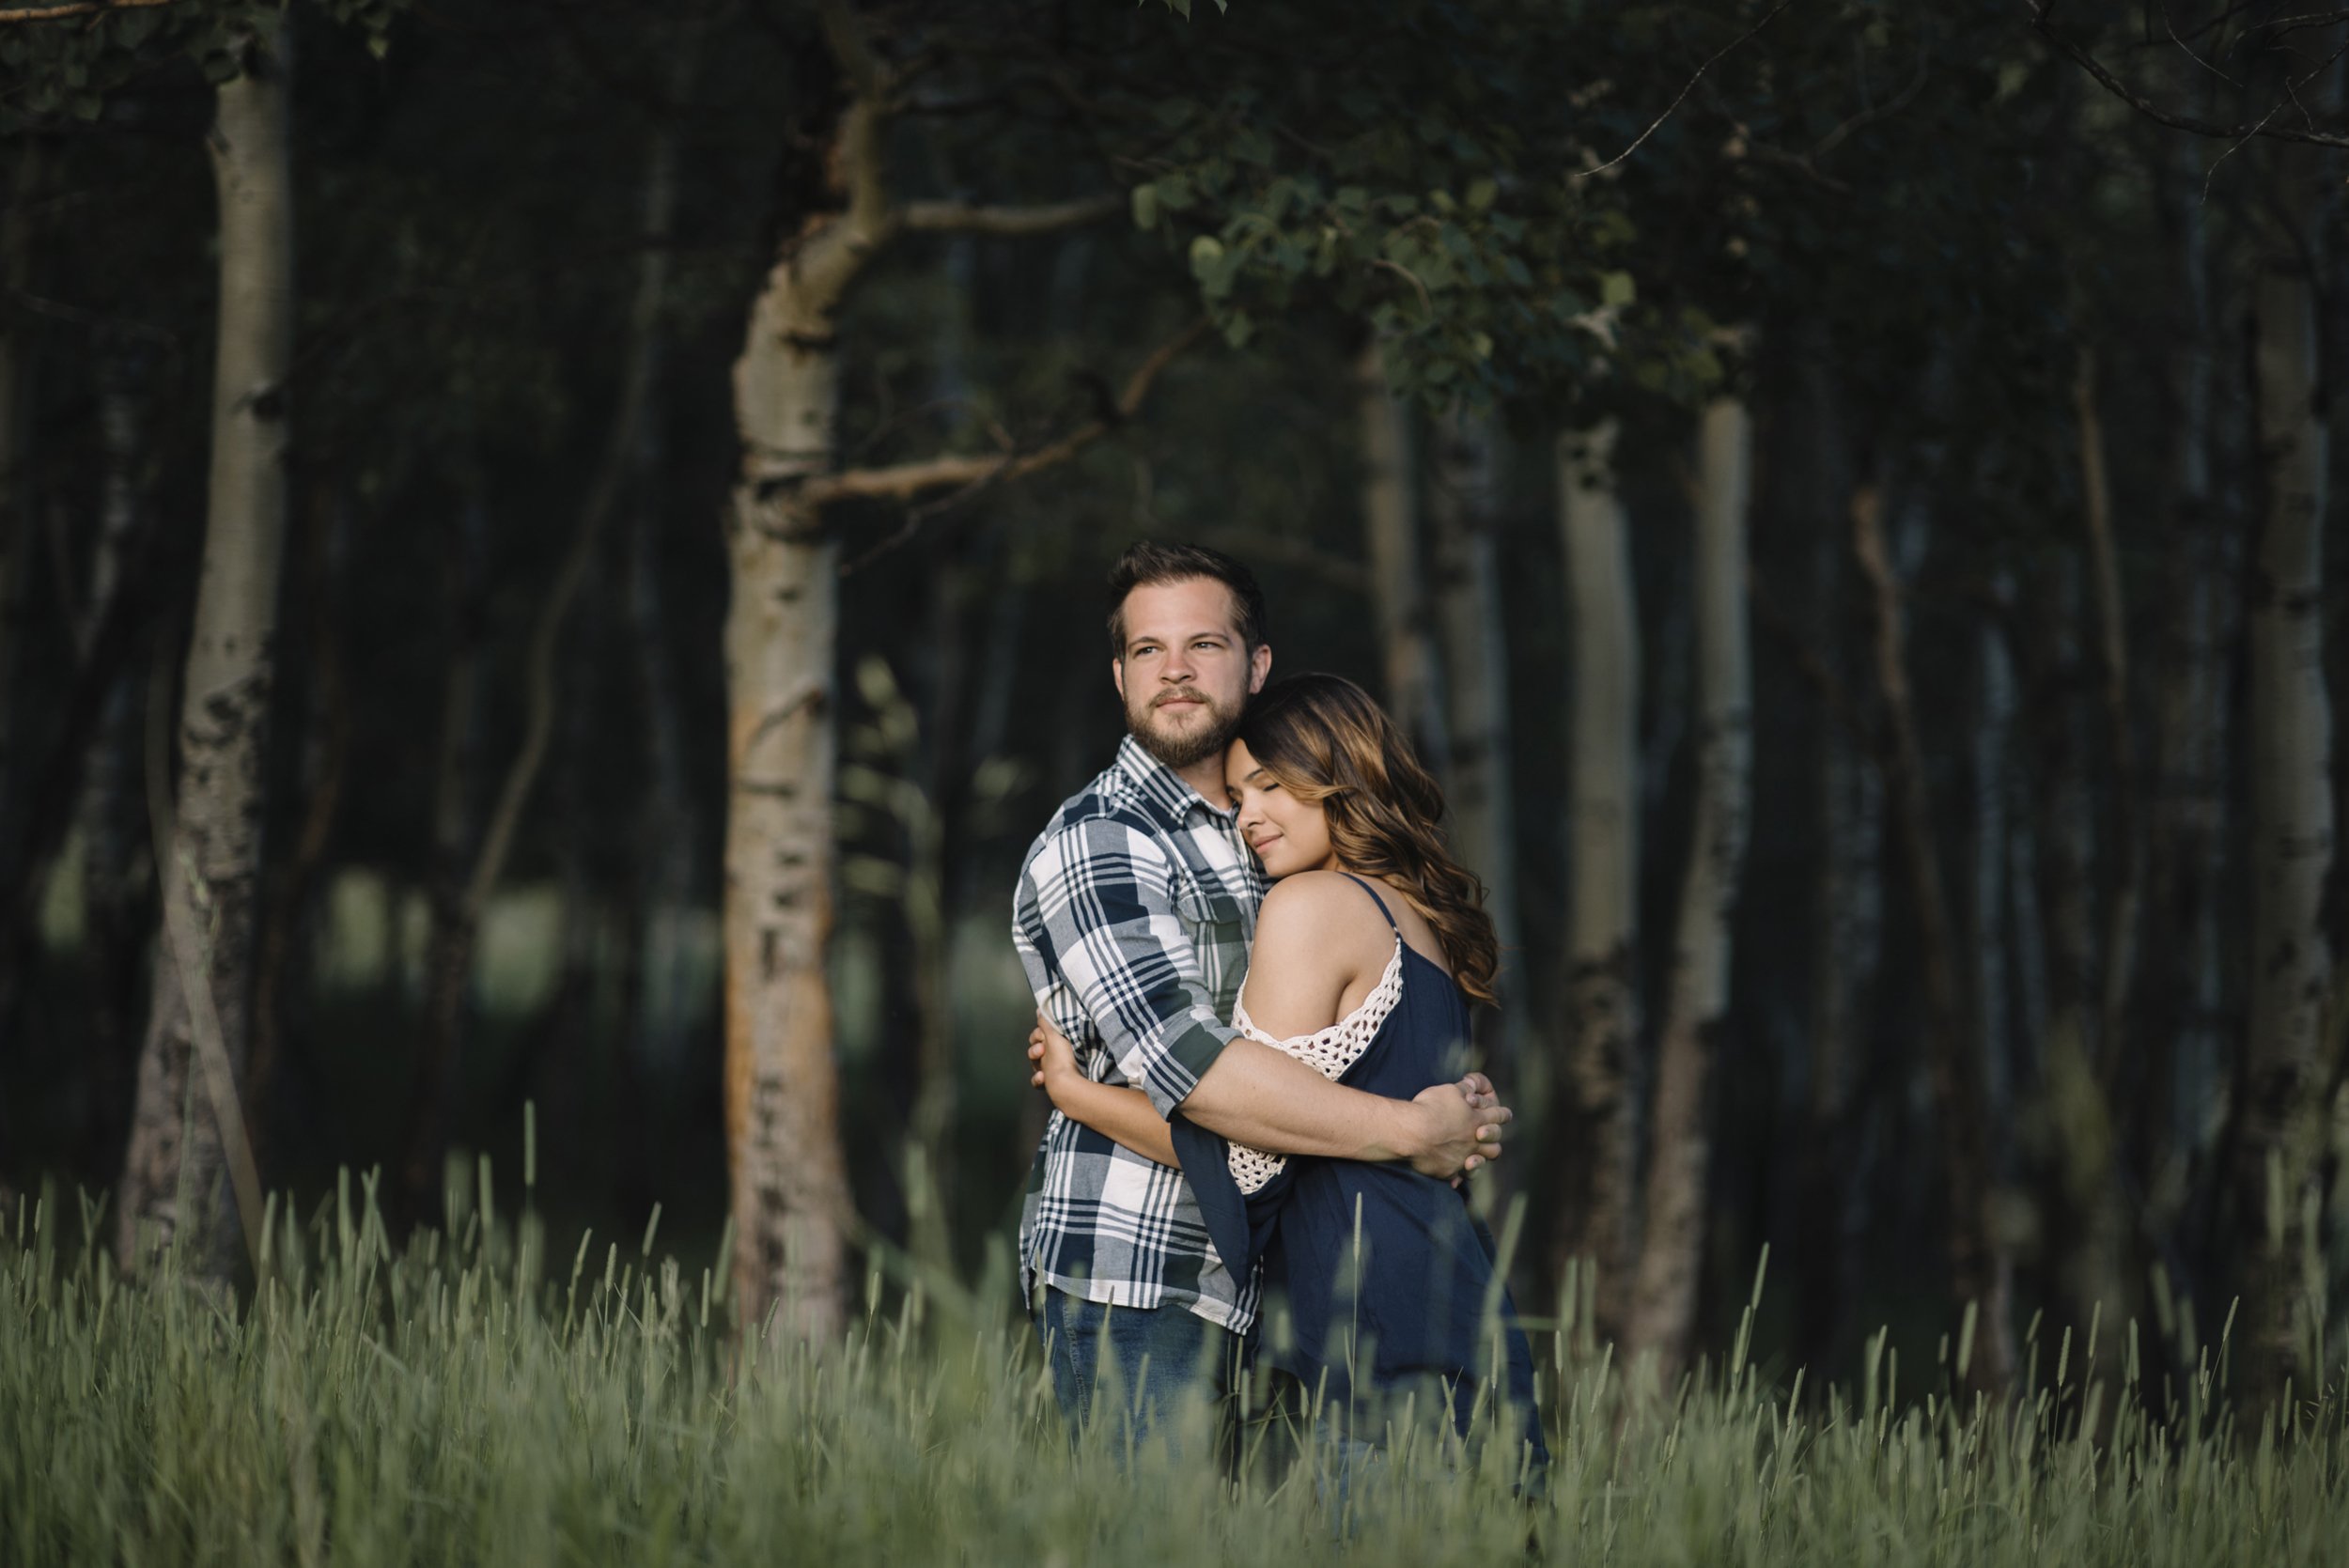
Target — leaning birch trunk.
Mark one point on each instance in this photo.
(1980, 1274)
(1477, 789)
(171, 1190)
(790, 1199)
(1672, 1247)
(1602, 918)
(2292, 833)
(1391, 528)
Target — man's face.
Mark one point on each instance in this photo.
(1185, 674)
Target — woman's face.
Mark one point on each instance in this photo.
(1289, 834)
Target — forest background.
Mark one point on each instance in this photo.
(574, 545)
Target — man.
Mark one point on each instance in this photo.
(1133, 916)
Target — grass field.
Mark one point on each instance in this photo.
(465, 1403)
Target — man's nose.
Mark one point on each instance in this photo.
(1177, 666)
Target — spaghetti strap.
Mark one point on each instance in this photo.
(1375, 899)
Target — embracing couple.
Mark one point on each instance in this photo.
(1300, 1136)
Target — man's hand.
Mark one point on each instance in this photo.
(1460, 1127)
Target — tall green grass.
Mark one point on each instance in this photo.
(463, 1402)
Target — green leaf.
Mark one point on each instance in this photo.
(1174, 193)
(1206, 251)
(378, 45)
(1145, 198)
(1617, 289)
(1252, 145)
(1482, 194)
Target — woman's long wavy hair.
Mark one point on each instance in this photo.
(1325, 741)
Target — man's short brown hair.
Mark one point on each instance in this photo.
(1149, 565)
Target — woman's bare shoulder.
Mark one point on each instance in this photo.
(1323, 903)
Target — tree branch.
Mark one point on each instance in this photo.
(2043, 24)
(82, 8)
(962, 217)
(904, 481)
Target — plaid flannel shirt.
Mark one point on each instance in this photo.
(1133, 915)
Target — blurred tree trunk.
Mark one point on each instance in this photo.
(2291, 816)
(16, 523)
(2088, 1228)
(1391, 527)
(326, 755)
(2127, 834)
(107, 814)
(1671, 1247)
(2180, 975)
(432, 1105)
(169, 1188)
(1980, 1275)
(1478, 789)
(941, 771)
(1847, 923)
(1593, 1124)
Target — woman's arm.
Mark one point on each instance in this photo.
(1123, 1116)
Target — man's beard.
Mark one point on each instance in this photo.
(1190, 746)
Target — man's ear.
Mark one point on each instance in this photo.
(1259, 667)
(1117, 678)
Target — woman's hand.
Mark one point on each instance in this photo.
(1056, 1059)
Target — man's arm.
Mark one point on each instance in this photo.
(1112, 958)
(1270, 1100)
(1100, 910)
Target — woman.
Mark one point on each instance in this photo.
(1368, 947)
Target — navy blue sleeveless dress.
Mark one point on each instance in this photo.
(1409, 1317)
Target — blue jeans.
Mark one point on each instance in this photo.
(1144, 1358)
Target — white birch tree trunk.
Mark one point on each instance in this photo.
(790, 1199)
(171, 1189)
(1672, 1249)
(1603, 834)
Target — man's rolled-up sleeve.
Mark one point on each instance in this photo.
(1099, 910)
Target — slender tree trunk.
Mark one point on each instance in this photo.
(325, 763)
(214, 850)
(1478, 791)
(106, 815)
(2292, 831)
(2127, 895)
(2187, 807)
(1397, 576)
(1847, 919)
(1672, 1249)
(1602, 917)
(1981, 1273)
(791, 1203)
(432, 1105)
(16, 518)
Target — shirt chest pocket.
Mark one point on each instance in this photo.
(1209, 914)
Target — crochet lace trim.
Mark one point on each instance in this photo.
(1328, 1052)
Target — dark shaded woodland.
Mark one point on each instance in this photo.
(552, 560)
